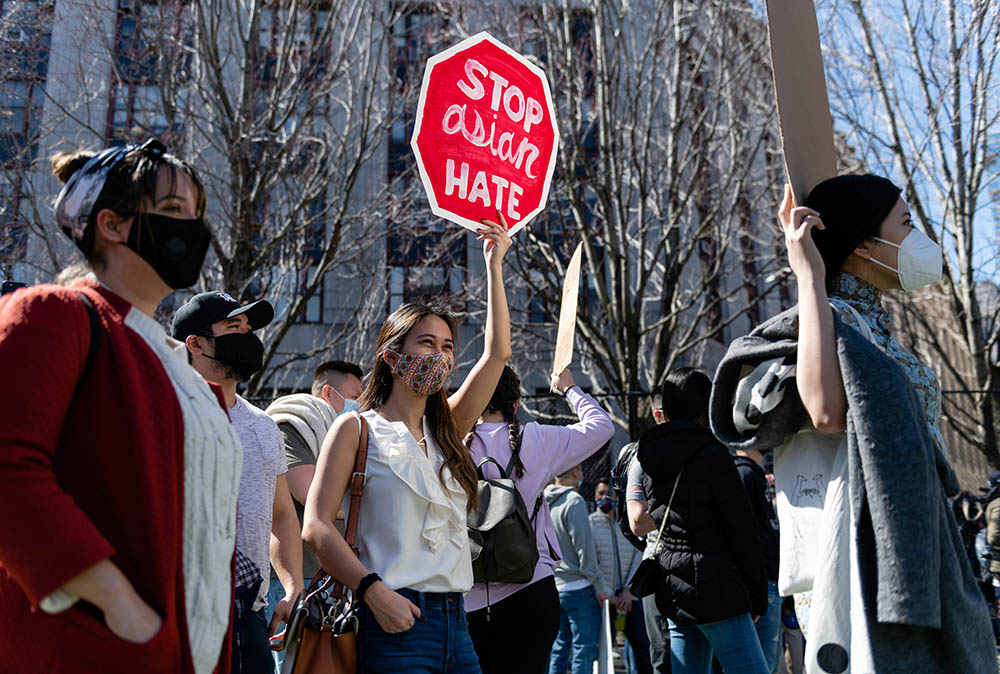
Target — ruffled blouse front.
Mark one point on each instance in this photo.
(867, 300)
(412, 524)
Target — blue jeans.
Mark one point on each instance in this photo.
(579, 630)
(437, 643)
(769, 628)
(251, 654)
(733, 641)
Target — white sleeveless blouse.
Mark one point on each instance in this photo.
(411, 526)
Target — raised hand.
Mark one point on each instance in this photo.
(563, 381)
(495, 239)
(797, 223)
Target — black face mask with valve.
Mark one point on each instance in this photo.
(243, 352)
(173, 247)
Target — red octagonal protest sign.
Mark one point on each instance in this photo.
(485, 135)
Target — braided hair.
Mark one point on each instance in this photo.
(505, 397)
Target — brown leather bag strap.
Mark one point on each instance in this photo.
(358, 479)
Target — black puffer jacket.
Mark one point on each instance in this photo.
(711, 556)
(755, 487)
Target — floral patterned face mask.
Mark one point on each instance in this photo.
(425, 373)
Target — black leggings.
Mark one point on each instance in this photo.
(521, 630)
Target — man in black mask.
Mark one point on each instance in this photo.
(222, 347)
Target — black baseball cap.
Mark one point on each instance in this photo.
(203, 309)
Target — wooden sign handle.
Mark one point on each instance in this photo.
(800, 91)
(566, 334)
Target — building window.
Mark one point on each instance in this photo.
(284, 287)
(552, 227)
(313, 311)
(20, 115)
(13, 227)
(310, 37)
(25, 37)
(136, 110)
(708, 254)
(149, 39)
(421, 283)
(426, 263)
(416, 36)
(426, 257)
(538, 310)
(314, 245)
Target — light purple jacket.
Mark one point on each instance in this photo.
(546, 451)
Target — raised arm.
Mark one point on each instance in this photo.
(568, 446)
(818, 377)
(469, 401)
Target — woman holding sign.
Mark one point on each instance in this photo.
(415, 563)
(506, 640)
(889, 583)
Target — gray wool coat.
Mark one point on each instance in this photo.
(925, 610)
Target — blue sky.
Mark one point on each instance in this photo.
(859, 112)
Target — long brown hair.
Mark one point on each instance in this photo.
(439, 418)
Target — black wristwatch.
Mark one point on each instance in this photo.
(363, 586)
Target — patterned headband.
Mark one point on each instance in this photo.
(77, 197)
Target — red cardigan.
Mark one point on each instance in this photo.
(88, 469)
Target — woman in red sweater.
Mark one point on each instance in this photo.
(118, 467)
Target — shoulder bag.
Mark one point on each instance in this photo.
(647, 575)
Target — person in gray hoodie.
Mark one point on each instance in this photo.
(579, 579)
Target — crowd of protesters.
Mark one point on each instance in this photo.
(156, 520)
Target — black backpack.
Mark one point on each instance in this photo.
(501, 534)
(619, 484)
